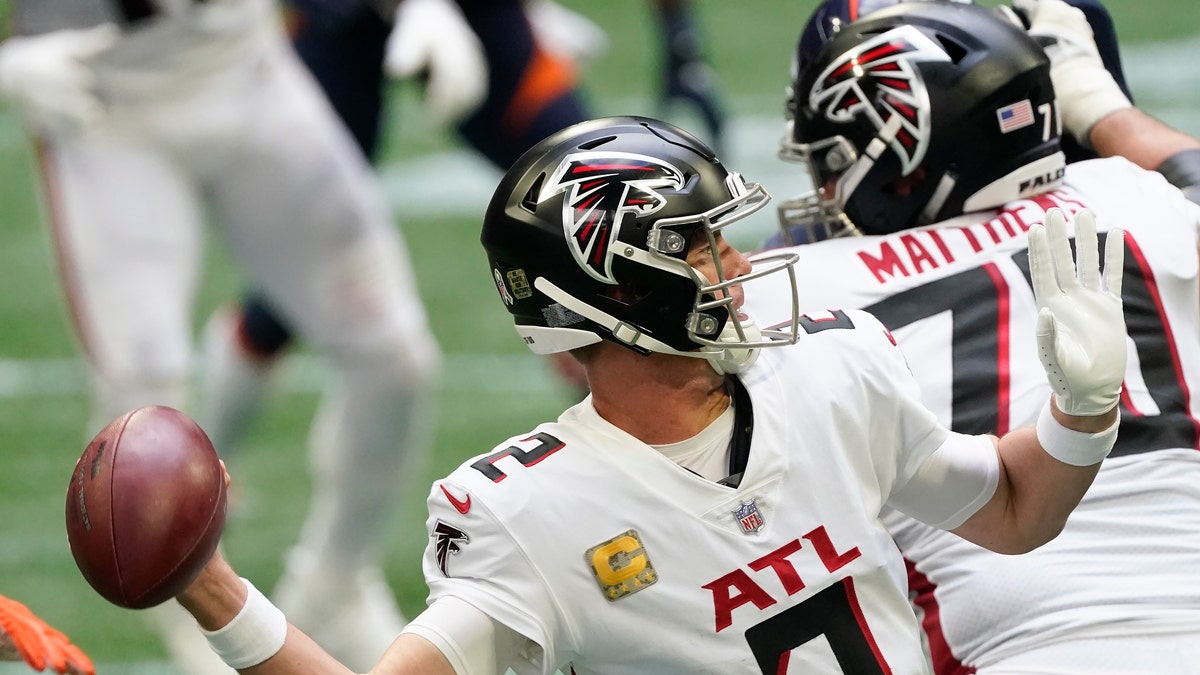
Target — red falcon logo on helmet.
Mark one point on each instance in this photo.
(604, 187)
(878, 79)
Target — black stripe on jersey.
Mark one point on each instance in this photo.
(971, 299)
(137, 10)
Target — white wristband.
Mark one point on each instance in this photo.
(1077, 448)
(253, 636)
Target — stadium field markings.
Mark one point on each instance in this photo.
(301, 373)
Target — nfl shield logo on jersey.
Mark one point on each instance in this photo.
(749, 517)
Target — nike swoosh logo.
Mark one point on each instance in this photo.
(462, 506)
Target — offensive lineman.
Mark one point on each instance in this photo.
(713, 506)
(148, 112)
(1113, 594)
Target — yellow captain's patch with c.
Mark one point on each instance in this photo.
(621, 565)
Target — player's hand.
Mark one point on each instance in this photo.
(24, 636)
(1080, 329)
(566, 32)
(49, 78)
(1085, 89)
(432, 41)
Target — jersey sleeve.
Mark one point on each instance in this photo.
(470, 640)
(471, 556)
(940, 477)
(951, 484)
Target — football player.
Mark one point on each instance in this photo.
(939, 153)
(153, 117)
(714, 505)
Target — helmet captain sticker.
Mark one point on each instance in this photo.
(604, 187)
(878, 77)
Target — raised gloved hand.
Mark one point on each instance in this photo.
(1085, 89)
(48, 77)
(1080, 329)
(23, 635)
(432, 41)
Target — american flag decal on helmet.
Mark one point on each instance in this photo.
(877, 79)
(603, 187)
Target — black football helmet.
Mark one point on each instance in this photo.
(918, 112)
(588, 233)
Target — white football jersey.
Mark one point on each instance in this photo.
(165, 45)
(956, 295)
(613, 559)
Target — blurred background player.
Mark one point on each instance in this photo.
(151, 119)
(25, 637)
(503, 73)
(941, 260)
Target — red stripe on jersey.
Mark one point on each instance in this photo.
(1003, 355)
(921, 589)
(862, 625)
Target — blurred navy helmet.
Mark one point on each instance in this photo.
(918, 112)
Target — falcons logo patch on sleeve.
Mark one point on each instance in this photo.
(447, 540)
(603, 187)
(878, 80)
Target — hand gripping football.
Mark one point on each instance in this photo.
(145, 507)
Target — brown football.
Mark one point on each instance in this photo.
(146, 507)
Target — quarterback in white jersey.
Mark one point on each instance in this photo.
(156, 118)
(1113, 593)
(714, 505)
(652, 568)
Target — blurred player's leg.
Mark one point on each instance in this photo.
(100, 190)
(243, 344)
(689, 86)
(241, 347)
(346, 58)
(335, 269)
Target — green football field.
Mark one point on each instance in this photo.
(490, 387)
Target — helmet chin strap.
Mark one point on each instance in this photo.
(725, 360)
(730, 360)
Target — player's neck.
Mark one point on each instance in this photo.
(657, 399)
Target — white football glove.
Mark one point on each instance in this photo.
(565, 32)
(48, 77)
(431, 40)
(1085, 89)
(1080, 328)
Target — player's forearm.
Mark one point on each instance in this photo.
(218, 595)
(1035, 494)
(1138, 137)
